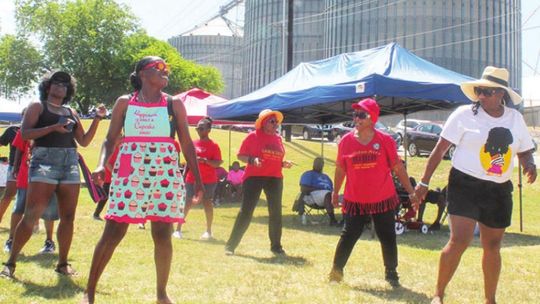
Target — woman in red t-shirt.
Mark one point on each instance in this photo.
(263, 152)
(367, 158)
(209, 158)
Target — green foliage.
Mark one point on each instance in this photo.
(99, 42)
(19, 65)
(83, 38)
(185, 74)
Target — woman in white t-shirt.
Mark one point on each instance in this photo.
(487, 135)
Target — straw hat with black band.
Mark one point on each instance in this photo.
(492, 77)
(265, 114)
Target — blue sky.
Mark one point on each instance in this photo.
(177, 16)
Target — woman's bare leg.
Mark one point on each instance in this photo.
(491, 239)
(161, 234)
(68, 196)
(112, 235)
(37, 199)
(461, 234)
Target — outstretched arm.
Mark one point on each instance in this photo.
(433, 162)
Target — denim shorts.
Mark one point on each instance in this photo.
(50, 213)
(54, 166)
(10, 175)
(208, 191)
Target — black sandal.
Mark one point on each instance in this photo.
(8, 271)
(65, 269)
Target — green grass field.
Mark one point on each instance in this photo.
(201, 273)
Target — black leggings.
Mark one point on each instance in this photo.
(273, 188)
(354, 225)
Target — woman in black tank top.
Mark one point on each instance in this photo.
(55, 129)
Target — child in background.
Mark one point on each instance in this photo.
(234, 178)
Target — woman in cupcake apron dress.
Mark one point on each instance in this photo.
(147, 183)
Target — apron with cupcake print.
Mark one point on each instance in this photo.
(147, 183)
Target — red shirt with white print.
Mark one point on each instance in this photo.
(368, 168)
(210, 150)
(269, 149)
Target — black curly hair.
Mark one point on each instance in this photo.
(46, 82)
(134, 78)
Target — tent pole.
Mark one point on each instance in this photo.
(229, 165)
(322, 145)
(520, 187)
(404, 143)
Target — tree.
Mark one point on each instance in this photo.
(19, 65)
(99, 42)
(82, 38)
(184, 74)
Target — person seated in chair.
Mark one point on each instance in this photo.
(316, 190)
(219, 193)
(235, 178)
(437, 197)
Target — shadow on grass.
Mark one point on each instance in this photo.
(291, 221)
(286, 259)
(209, 242)
(395, 294)
(46, 261)
(64, 288)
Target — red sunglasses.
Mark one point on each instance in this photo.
(157, 65)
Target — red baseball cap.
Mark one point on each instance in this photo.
(370, 106)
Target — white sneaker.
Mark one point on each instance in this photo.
(206, 236)
(177, 234)
(304, 219)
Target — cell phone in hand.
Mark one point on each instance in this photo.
(68, 124)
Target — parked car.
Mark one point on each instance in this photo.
(308, 131)
(411, 124)
(340, 129)
(424, 137)
(246, 128)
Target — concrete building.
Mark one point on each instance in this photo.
(461, 35)
(214, 44)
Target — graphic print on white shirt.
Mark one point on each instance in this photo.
(486, 146)
(496, 153)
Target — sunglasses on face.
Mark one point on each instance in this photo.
(488, 92)
(157, 65)
(360, 115)
(273, 121)
(60, 83)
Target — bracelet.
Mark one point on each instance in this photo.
(423, 184)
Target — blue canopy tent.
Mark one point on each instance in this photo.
(322, 91)
(10, 112)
